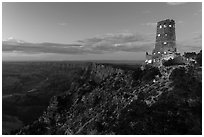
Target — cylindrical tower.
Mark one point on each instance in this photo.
(165, 37)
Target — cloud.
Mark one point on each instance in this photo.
(127, 42)
(198, 37)
(41, 47)
(10, 38)
(198, 12)
(180, 22)
(176, 3)
(146, 11)
(151, 24)
(193, 44)
(109, 43)
(62, 24)
(119, 42)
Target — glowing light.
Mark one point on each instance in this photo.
(149, 61)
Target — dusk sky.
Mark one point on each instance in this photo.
(94, 31)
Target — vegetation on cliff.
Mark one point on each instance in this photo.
(108, 99)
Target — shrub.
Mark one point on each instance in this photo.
(175, 61)
(150, 73)
(185, 82)
(199, 58)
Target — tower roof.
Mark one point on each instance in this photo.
(166, 20)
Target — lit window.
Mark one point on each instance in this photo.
(164, 26)
(159, 35)
(170, 25)
(149, 61)
(160, 26)
(164, 52)
(165, 34)
(165, 43)
(158, 52)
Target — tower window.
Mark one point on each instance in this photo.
(158, 35)
(158, 52)
(164, 52)
(170, 25)
(160, 26)
(164, 26)
(165, 34)
(165, 43)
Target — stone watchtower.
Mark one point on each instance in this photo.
(165, 37)
(165, 46)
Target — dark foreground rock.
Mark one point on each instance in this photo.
(110, 100)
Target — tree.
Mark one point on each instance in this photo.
(199, 58)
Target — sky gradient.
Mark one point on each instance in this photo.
(98, 31)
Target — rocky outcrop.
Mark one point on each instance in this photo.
(111, 100)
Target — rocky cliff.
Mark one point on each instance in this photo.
(110, 99)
